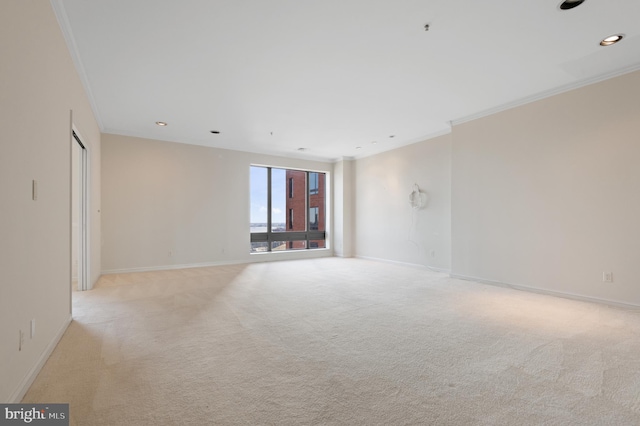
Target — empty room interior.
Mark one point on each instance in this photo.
(321, 213)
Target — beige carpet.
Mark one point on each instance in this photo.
(339, 342)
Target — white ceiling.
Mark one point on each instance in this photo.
(329, 76)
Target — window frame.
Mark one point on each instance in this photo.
(308, 235)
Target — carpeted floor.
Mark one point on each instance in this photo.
(339, 342)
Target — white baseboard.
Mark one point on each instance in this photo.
(343, 255)
(255, 258)
(537, 290)
(26, 383)
(171, 267)
(413, 265)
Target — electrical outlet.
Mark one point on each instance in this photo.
(170, 253)
(607, 277)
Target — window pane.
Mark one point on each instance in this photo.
(317, 204)
(288, 245)
(313, 183)
(316, 244)
(296, 202)
(296, 245)
(313, 219)
(259, 194)
(278, 200)
(259, 247)
(278, 246)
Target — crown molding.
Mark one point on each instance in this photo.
(65, 27)
(547, 94)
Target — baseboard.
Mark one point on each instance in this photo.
(171, 267)
(413, 265)
(537, 290)
(255, 258)
(343, 255)
(26, 383)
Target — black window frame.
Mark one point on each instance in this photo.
(270, 236)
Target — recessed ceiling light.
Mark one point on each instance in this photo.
(611, 40)
(161, 123)
(392, 136)
(570, 4)
(374, 142)
(215, 132)
(302, 149)
(358, 147)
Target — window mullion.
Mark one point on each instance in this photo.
(269, 228)
(306, 212)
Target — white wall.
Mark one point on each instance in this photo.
(343, 208)
(193, 201)
(385, 224)
(546, 195)
(38, 90)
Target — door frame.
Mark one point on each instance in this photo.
(83, 218)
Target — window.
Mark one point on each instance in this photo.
(313, 219)
(313, 183)
(282, 220)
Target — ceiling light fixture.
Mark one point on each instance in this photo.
(215, 132)
(358, 147)
(161, 123)
(611, 40)
(570, 4)
(302, 149)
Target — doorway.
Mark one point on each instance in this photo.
(79, 214)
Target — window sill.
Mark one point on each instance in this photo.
(278, 252)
